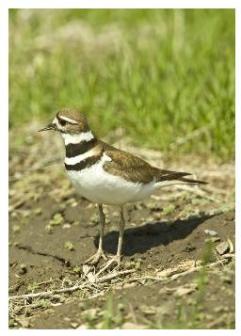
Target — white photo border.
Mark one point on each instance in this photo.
(5, 5)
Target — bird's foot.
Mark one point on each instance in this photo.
(116, 260)
(94, 259)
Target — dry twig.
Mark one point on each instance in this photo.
(70, 289)
(225, 258)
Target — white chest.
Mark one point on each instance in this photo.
(98, 186)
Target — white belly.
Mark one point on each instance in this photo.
(98, 186)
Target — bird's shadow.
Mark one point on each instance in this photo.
(142, 239)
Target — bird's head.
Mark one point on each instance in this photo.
(68, 121)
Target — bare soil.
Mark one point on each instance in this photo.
(178, 279)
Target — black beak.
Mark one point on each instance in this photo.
(48, 128)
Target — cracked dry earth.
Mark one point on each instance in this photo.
(178, 246)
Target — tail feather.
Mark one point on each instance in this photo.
(168, 175)
(192, 181)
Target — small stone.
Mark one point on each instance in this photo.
(211, 233)
(83, 326)
(222, 248)
(67, 319)
(16, 228)
(23, 269)
(66, 226)
(227, 279)
(74, 325)
(185, 290)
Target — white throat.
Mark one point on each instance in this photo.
(77, 138)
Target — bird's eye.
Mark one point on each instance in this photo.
(62, 122)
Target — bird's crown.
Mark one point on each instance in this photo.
(71, 120)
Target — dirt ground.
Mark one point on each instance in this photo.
(178, 255)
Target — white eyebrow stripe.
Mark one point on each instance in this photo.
(77, 138)
(78, 158)
(68, 120)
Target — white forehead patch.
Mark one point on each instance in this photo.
(56, 122)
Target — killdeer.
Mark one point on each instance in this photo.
(106, 175)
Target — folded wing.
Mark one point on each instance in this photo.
(135, 169)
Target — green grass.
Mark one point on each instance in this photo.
(158, 74)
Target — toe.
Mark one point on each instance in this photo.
(113, 263)
(93, 260)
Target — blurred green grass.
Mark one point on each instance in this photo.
(158, 74)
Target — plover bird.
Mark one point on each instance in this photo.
(104, 174)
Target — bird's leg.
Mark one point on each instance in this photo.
(117, 258)
(121, 234)
(93, 260)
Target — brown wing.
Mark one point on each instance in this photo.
(135, 169)
(130, 167)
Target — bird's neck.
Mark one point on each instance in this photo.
(78, 144)
(77, 138)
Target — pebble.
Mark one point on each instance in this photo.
(211, 233)
(23, 269)
(222, 248)
(182, 291)
(227, 279)
(74, 325)
(66, 226)
(16, 228)
(83, 326)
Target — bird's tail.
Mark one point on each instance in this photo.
(187, 180)
(168, 177)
